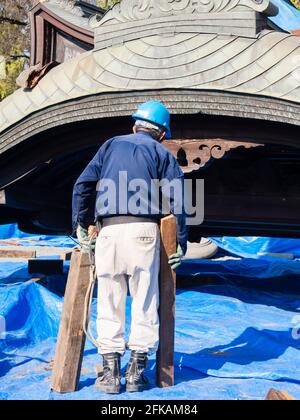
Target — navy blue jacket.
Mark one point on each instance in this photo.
(138, 156)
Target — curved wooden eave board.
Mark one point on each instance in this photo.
(77, 23)
(180, 102)
(266, 66)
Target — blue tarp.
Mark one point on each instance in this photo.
(12, 232)
(252, 246)
(288, 17)
(248, 247)
(232, 341)
(237, 335)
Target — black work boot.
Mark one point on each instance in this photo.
(136, 381)
(109, 380)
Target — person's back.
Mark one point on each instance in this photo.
(134, 162)
(128, 166)
(126, 171)
(138, 154)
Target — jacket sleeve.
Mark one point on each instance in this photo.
(172, 172)
(84, 192)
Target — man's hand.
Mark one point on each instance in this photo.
(175, 260)
(87, 238)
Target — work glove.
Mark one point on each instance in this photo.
(175, 260)
(87, 238)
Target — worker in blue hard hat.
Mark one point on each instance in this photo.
(124, 174)
(157, 114)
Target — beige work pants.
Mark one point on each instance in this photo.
(128, 256)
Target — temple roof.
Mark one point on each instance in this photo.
(219, 45)
(77, 13)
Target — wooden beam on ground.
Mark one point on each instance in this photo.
(167, 280)
(9, 242)
(275, 395)
(71, 337)
(9, 253)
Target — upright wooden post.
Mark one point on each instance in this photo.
(71, 338)
(165, 354)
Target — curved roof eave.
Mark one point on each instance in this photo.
(72, 13)
(266, 66)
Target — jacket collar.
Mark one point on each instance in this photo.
(145, 134)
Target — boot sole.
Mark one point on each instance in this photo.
(135, 388)
(108, 390)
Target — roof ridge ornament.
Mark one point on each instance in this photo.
(134, 19)
(133, 10)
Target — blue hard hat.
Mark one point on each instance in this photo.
(156, 113)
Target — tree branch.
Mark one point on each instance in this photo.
(17, 56)
(4, 19)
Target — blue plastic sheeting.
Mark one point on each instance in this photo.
(251, 246)
(288, 17)
(248, 247)
(232, 341)
(12, 232)
(246, 268)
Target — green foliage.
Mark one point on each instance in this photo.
(8, 85)
(14, 42)
(106, 4)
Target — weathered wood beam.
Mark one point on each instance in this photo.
(71, 337)
(8, 253)
(165, 354)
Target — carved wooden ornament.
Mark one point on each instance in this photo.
(195, 154)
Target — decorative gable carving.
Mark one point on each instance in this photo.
(134, 19)
(131, 10)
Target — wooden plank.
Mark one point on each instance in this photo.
(71, 338)
(9, 242)
(165, 354)
(275, 395)
(9, 253)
